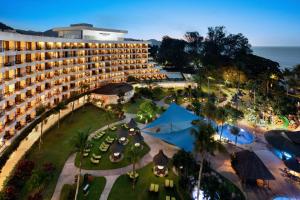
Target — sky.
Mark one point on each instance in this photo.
(263, 22)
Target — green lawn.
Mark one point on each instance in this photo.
(122, 189)
(56, 147)
(133, 107)
(105, 163)
(95, 190)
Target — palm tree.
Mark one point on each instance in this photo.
(109, 117)
(209, 110)
(40, 111)
(234, 130)
(80, 143)
(204, 145)
(134, 156)
(60, 106)
(221, 116)
(73, 95)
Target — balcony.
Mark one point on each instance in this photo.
(19, 101)
(8, 64)
(9, 107)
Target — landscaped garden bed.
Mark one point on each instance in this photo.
(105, 161)
(96, 187)
(55, 149)
(122, 189)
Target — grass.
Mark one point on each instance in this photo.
(122, 189)
(133, 107)
(57, 147)
(96, 188)
(105, 163)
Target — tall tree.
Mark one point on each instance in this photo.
(60, 106)
(80, 143)
(234, 130)
(134, 155)
(204, 145)
(172, 53)
(41, 111)
(221, 116)
(194, 47)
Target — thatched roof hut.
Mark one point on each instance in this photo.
(249, 167)
(122, 133)
(132, 124)
(293, 164)
(161, 159)
(286, 141)
(117, 147)
(138, 138)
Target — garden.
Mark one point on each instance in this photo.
(90, 159)
(39, 175)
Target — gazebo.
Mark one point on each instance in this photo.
(117, 152)
(160, 164)
(122, 134)
(132, 126)
(250, 168)
(138, 139)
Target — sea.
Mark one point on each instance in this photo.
(287, 57)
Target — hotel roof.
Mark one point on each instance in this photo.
(84, 26)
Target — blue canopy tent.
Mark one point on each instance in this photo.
(174, 126)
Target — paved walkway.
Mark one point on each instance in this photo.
(70, 170)
(110, 180)
(220, 162)
(32, 137)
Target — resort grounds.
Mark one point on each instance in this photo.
(109, 180)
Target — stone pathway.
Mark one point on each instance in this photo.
(110, 180)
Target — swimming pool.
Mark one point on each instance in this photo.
(244, 136)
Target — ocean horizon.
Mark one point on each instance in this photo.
(286, 56)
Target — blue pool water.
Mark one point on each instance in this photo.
(244, 136)
(175, 124)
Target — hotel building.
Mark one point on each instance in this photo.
(39, 70)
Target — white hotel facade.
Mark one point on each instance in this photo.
(38, 70)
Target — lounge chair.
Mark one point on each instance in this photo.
(173, 198)
(156, 187)
(168, 198)
(87, 150)
(152, 187)
(167, 183)
(171, 184)
(96, 156)
(109, 140)
(85, 154)
(113, 128)
(94, 161)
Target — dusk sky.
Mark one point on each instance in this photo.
(264, 22)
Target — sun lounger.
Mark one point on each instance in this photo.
(85, 154)
(94, 161)
(167, 183)
(173, 198)
(96, 156)
(171, 184)
(156, 187)
(87, 150)
(168, 198)
(113, 128)
(152, 187)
